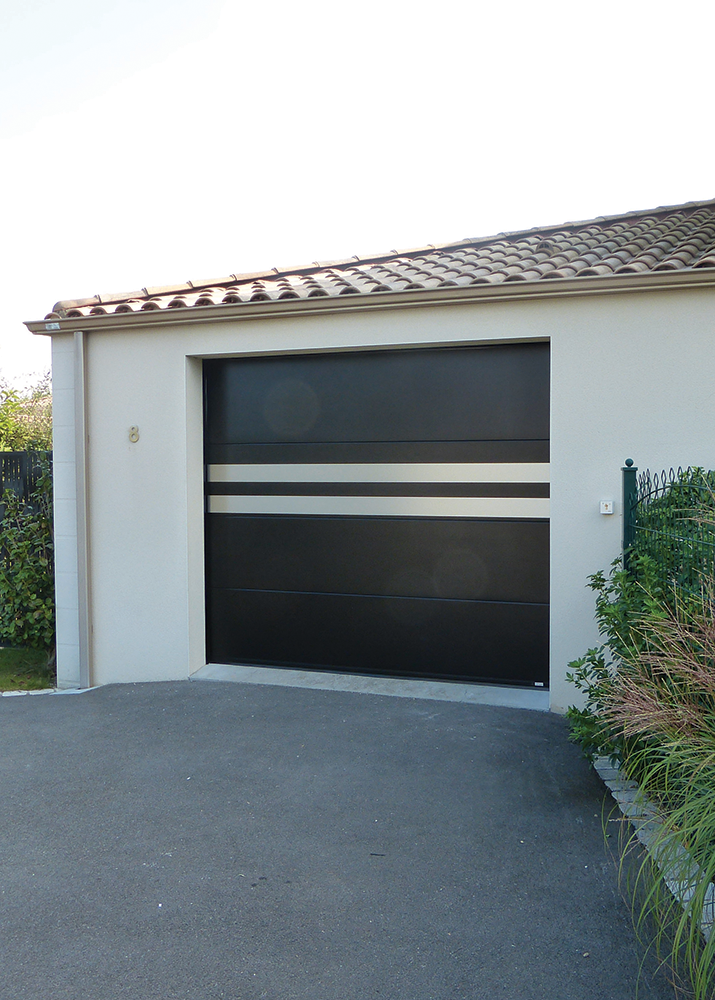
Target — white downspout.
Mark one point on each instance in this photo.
(83, 549)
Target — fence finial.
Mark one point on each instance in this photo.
(629, 471)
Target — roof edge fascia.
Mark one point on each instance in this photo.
(470, 294)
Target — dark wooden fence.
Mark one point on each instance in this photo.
(20, 471)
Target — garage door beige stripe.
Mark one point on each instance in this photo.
(518, 507)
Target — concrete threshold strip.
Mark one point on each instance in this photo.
(536, 699)
(680, 873)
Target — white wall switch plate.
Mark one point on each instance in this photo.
(606, 506)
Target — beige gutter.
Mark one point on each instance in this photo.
(470, 294)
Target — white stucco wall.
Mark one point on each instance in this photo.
(631, 377)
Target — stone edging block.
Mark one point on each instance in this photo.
(681, 874)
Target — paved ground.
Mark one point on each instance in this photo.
(208, 840)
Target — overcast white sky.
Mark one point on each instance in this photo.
(147, 142)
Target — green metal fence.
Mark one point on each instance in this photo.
(670, 516)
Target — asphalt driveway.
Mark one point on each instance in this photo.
(213, 840)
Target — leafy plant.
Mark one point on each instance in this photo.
(27, 606)
(623, 598)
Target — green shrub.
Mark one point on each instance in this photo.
(669, 567)
(650, 704)
(623, 599)
(27, 599)
(674, 526)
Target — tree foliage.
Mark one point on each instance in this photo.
(26, 416)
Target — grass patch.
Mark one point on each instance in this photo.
(25, 670)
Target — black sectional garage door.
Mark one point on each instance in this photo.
(381, 513)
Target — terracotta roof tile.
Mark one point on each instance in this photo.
(678, 238)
